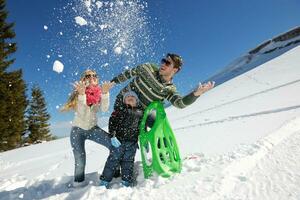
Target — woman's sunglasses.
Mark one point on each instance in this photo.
(91, 75)
(166, 62)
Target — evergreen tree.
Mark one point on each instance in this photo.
(6, 33)
(38, 117)
(12, 88)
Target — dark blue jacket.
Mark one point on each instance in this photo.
(124, 123)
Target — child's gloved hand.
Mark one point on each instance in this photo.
(115, 142)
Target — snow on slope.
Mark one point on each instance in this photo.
(262, 53)
(238, 141)
(242, 110)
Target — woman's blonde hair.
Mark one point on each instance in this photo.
(73, 98)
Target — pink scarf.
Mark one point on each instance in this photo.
(93, 95)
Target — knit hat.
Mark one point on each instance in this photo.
(131, 93)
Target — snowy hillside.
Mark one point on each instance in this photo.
(262, 53)
(241, 140)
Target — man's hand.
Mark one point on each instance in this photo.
(79, 87)
(106, 86)
(204, 88)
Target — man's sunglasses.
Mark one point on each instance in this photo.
(165, 61)
(91, 75)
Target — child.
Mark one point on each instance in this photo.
(124, 127)
(86, 100)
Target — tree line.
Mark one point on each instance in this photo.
(22, 120)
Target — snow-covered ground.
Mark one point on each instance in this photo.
(264, 52)
(241, 140)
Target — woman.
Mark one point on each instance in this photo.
(86, 100)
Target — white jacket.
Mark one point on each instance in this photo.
(86, 116)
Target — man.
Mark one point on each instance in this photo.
(151, 83)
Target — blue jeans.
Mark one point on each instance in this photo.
(122, 156)
(78, 137)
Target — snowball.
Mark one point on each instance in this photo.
(57, 107)
(121, 3)
(58, 66)
(104, 51)
(99, 4)
(87, 3)
(105, 65)
(79, 20)
(45, 27)
(48, 56)
(61, 33)
(59, 56)
(103, 26)
(118, 50)
(60, 21)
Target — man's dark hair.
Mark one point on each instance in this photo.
(178, 62)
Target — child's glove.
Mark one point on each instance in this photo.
(115, 142)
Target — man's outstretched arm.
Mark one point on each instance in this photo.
(204, 88)
(127, 74)
(182, 102)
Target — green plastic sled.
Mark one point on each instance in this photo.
(158, 145)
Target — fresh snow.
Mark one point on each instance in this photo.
(251, 60)
(240, 140)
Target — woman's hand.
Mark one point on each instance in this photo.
(106, 86)
(79, 87)
(204, 88)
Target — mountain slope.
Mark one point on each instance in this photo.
(261, 54)
(238, 141)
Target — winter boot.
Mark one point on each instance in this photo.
(79, 184)
(104, 183)
(125, 183)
